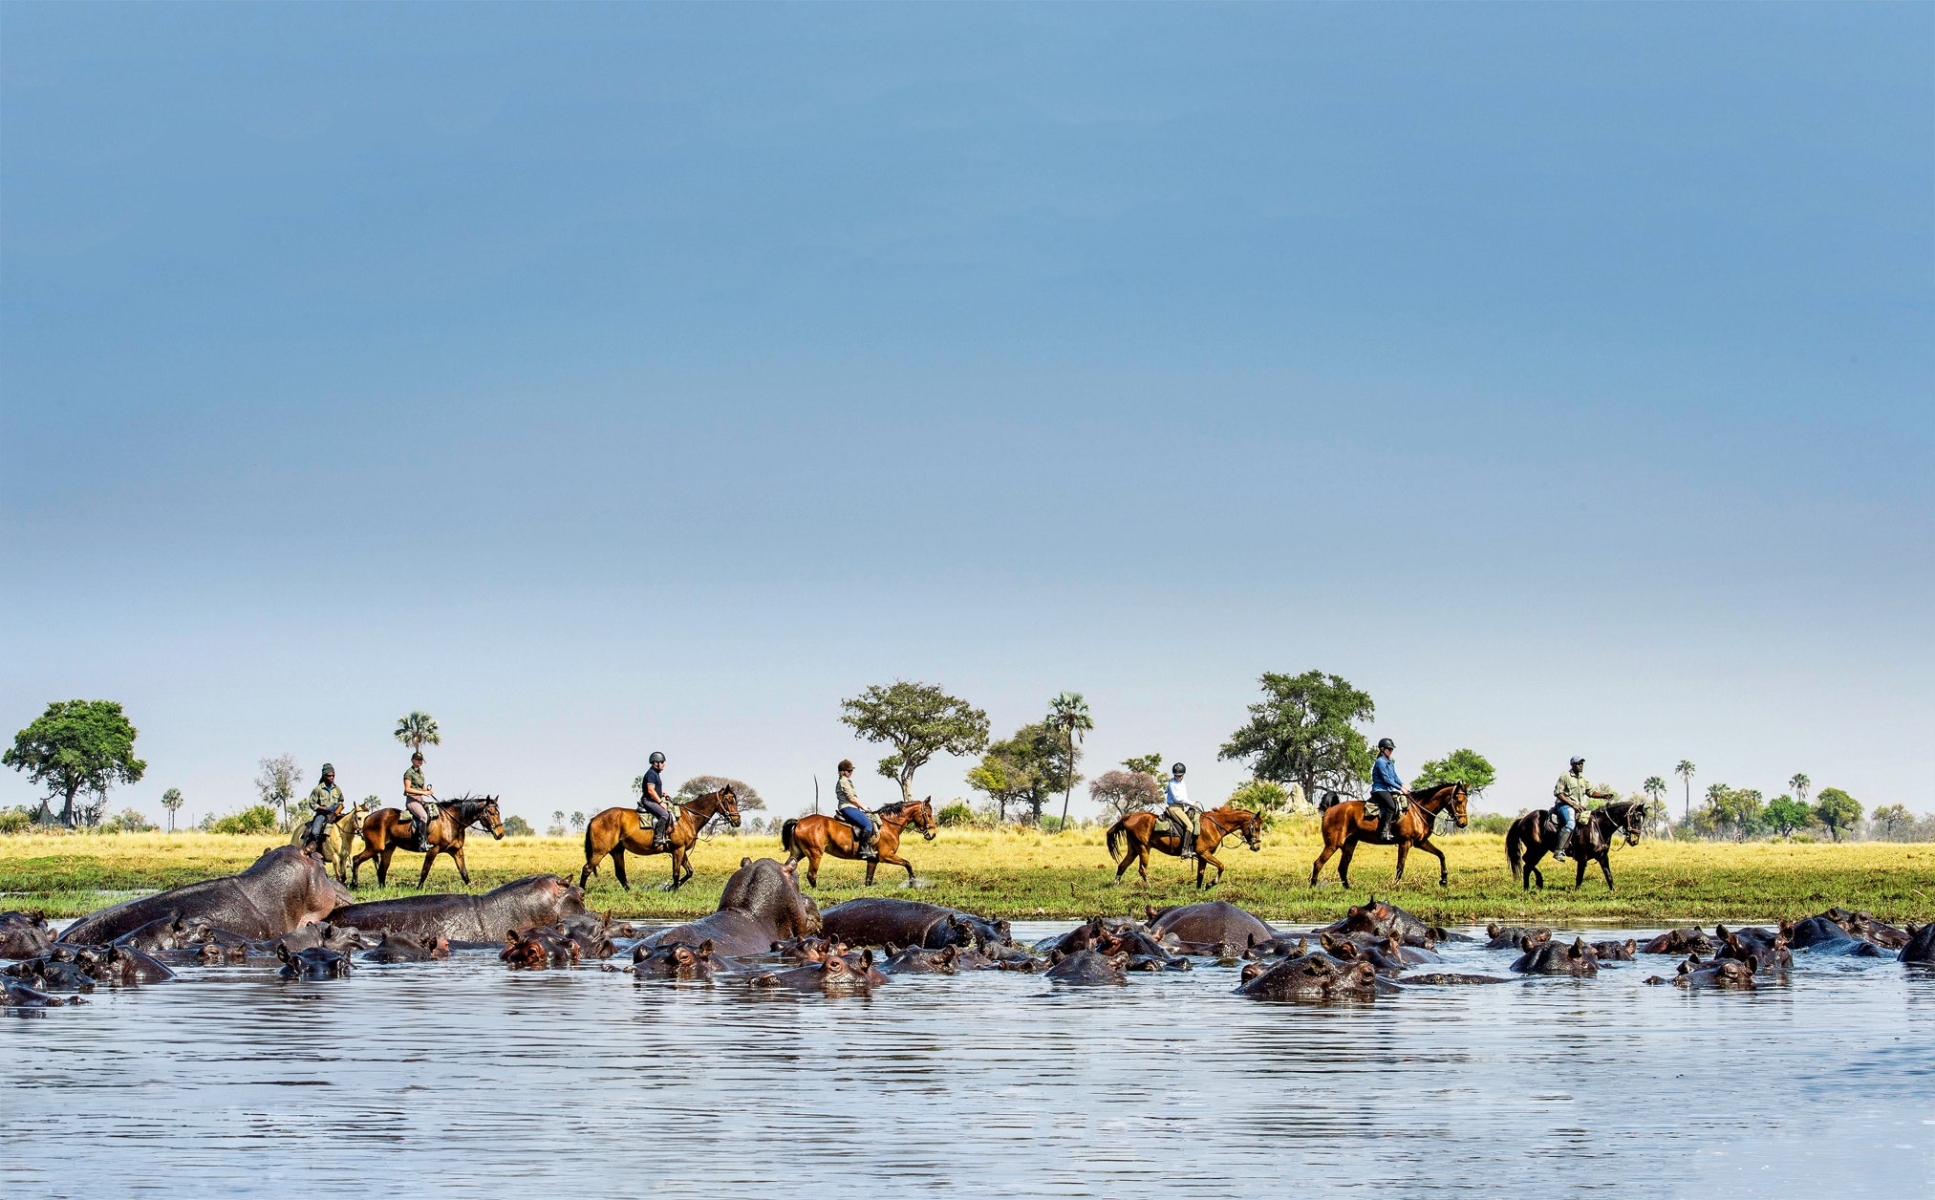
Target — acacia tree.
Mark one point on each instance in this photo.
(1786, 815)
(1468, 767)
(700, 785)
(1685, 771)
(1069, 713)
(1837, 810)
(171, 800)
(277, 784)
(76, 746)
(1006, 775)
(1304, 731)
(919, 720)
(1124, 792)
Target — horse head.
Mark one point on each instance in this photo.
(729, 804)
(1455, 803)
(1251, 827)
(1631, 822)
(482, 813)
(921, 817)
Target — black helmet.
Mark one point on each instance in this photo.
(1386, 744)
(658, 757)
(1178, 769)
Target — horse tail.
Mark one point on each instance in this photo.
(1118, 839)
(786, 834)
(1511, 850)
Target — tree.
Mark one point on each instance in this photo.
(1260, 796)
(516, 826)
(277, 784)
(1787, 816)
(1124, 792)
(1800, 783)
(1304, 731)
(1656, 815)
(1837, 810)
(1004, 775)
(1890, 820)
(557, 824)
(76, 746)
(1148, 764)
(1068, 712)
(699, 785)
(417, 730)
(1026, 769)
(1468, 767)
(919, 720)
(1736, 809)
(1685, 771)
(577, 822)
(171, 800)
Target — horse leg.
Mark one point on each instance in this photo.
(678, 860)
(1605, 865)
(356, 865)
(1318, 866)
(383, 864)
(593, 856)
(428, 858)
(1404, 851)
(1444, 875)
(1343, 861)
(618, 866)
(457, 856)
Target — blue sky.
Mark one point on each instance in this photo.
(612, 378)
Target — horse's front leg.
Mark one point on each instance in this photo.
(895, 860)
(1208, 860)
(428, 858)
(457, 856)
(1444, 873)
(1404, 851)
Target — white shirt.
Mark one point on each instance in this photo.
(1175, 793)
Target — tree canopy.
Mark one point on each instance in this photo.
(417, 730)
(1148, 764)
(76, 746)
(745, 793)
(1304, 731)
(1468, 767)
(1124, 792)
(1027, 769)
(1786, 815)
(1837, 810)
(919, 720)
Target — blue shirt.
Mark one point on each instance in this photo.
(654, 783)
(1384, 776)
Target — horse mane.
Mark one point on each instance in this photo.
(897, 807)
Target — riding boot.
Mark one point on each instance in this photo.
(870, 847)
(1565, 839)
(658, 834)
(418, 828)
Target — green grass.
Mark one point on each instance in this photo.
(1022, 875)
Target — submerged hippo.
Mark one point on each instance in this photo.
(1209, 926)
(1556, 958)
(1380, 919)
(1679, 941)
(169, 933)
(1508, 937)
(24, 935)
(915, 961)
(58, 970)
(1724, 973)
(284, 889)
(1822, 935)
(480, 920)
(330, 936)
(1864, 926)
(536, 949)
(1615, 951)
(1387, 956)
(834, 975)
(880, 920)
(1920, 949)
(1315, 978)
(397, 948)
(20, 995)
(313, 963)
(123, 966)
(1765, 956)
(592, 932)
(762, 904)
(677, 961)
(1159, 962)
(1086, 968)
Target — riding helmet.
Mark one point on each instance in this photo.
(1178, 769)
(1386, 744)
(658, 757)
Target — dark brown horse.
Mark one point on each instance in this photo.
(1346, 823)
(1529, 840)
(814, 836)
(1131, 839)
(387, 830)
(617, 830)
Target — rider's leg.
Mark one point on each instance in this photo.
(1565, 832)
(661, 820)
(419, 819)
(1178, 818)
(1386, 811)
(869, 847)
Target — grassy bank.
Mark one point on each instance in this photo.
(1020, 874)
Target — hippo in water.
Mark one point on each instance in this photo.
(169, 933)
(283, 890)
(536, 949)
(880, 920)
(762, 904)
(677, 961)
(20, 995)
(912, 960)
(1720, 973)
(1205, 928)
(1086, 968)
(1615, 951)
(1679, 941)
(58, 970)
(836, 974)
(313, 963)
(343, 939)
(479, 920)
(1765, 956)
(1822, 935)
(122, 966)
(1920, 950)
(1381, 919)
(24, 935)
(1508, 937)
(398, 949)
(1315, 978)
(1557, 958)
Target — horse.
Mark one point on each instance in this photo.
(1528, 841)
(387, 829)
(617, 830)
(1346, 823)
(814, 836)
(339, 840)
(1131, 838)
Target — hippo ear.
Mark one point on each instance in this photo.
(1526, 943)
(950, 954)
(705, 947)
(866, 958)
(1578, 949)
(1632, 947)
(745, 862)
(282, 952)
(1492, 929)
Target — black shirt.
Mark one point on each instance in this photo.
(654, 782)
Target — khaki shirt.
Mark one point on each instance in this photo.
(1574, 790)
(325, 795)
(413, 779)
(848, 795)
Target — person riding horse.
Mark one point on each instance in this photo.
(327, 799)
(1180, 812)
(1388, 792)
(417, 796)
(854, 813)
(1570, 795)
(652, 802)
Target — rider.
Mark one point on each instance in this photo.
(1570, 795)
(1387, 790)
(416, 797)
(847, 800)
(327, 799)
(1181, 813)
(652, 802)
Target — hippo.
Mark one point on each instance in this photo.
(1210, 926)
(1507, 937)
(1450, 978)
(59, 970)
(593, 933)
(317, 962)
(1086, 968)
(878, 920)
(762, 904)
(1720, 973)
(478, 920)
(1822, 935)
(330, 936)
(123, 966)
(812, 948)
(677, 961)
(536, 949)
(1763, 956)
(1556, 958)
(172, 932)
(1679, 941)
(1380, 919)
(1159, 962)
(25, 935)
(1863, 925)
(1387, 957)
(1086, 936)
(19, 995)
(836, 974)
(398, 949)
(1920, 950)
(1615, 951)
(284, 889)
(915, 961)
(1313, 978)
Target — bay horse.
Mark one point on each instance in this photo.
(1346, 823)
(616, 830)
(814, 836)
(1132, 837)
(1529, 840)
(387, 830)
(339, 839)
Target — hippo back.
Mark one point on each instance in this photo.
(878, 920)
(1921, 946)
(761, 904)
(520, 904)
(283, 890)
(1212, 923)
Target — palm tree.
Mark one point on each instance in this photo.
(418, 730)
(1800, 784)
(1070, 712)
(1685, 771)
(171, 800)
(1655, 787)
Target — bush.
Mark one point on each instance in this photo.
(257, 818)
(1259, 795)
(518, 827)
(1497, 823)
(957, 813)
(16, 820)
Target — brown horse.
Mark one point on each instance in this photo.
(617, 830)
(1529, 840)
(388, 830)
(1346, 823)
(1131, 839)
(814, 836)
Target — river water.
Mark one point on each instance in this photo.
(461, 1078)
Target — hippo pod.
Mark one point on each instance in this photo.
(25, 935)
(677, 961)
(1086, 968)
(880, 920)
(1380, 919)
(20, 995)
(283, 890)
(1314, 978)
(396, 948)
(536, 949)
(1508, 937)
(477, 920)
(1720, 973)
(315, 962)
(915, 961)
(1388, 954)
(1556, 958)
(761, 904)
(835, 974)
(1209, 928)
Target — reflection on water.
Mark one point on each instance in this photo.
(462, 1078)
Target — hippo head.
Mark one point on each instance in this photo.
(770, 892)
(309, 892)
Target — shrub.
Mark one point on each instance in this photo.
(257, 818)
(518, 827)
(16, 820)
(957, 813)
(1260, 795)
(1124, 792)
(1497, 823)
